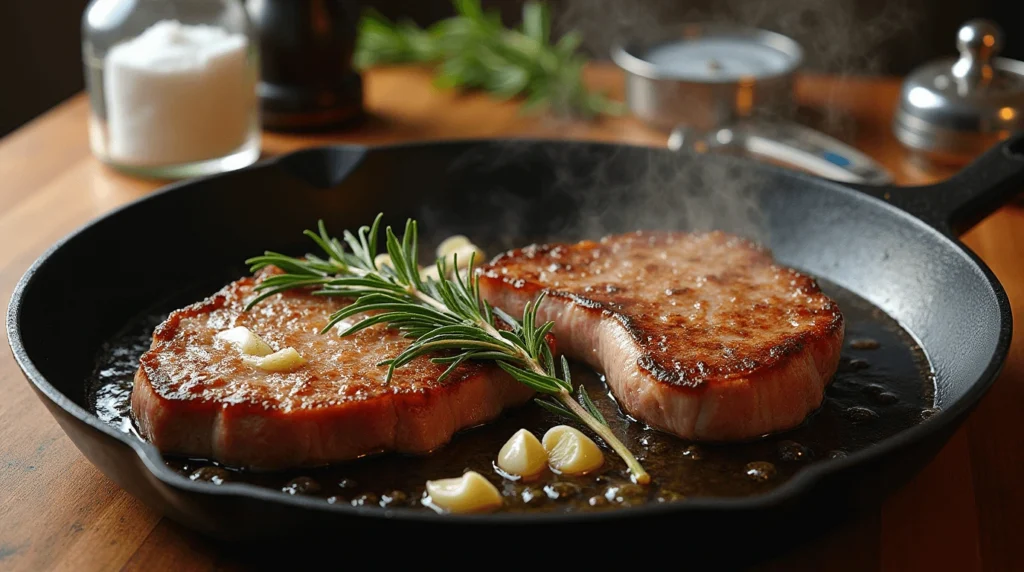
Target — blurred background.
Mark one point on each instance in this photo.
(43, 64)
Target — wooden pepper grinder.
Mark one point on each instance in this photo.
(307, 82)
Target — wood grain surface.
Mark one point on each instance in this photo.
(965, 511)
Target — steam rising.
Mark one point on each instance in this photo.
(513, 193)
(592, 191)
(839, 37)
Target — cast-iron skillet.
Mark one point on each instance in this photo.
(893, 246)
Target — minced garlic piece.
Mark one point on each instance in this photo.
(523, 455)
(247, 342)
(571, 452)
(280, 361)
(469, 493)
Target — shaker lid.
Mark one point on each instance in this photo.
(959, 107)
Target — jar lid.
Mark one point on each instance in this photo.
(957, 108)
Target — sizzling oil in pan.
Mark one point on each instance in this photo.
(884, 385)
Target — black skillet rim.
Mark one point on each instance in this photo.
(789, 491)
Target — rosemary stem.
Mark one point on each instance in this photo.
(428, 300)
(491, 331)
(640, 476)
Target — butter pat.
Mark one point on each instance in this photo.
(571, 452)
(280, 361)
(247, 342)
(523, 455)
(469, 493)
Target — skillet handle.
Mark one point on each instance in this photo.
(955, 205)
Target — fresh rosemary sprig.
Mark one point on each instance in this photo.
(475, 50)
(446, 319)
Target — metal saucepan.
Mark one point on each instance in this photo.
(895, 247)
(730, 88)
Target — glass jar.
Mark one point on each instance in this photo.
(172, 85)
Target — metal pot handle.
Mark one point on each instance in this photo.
(958, 203)
(790, 144)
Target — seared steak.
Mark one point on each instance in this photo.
(700, 335)
(194, 394)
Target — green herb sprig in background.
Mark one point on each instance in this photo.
(474, 50)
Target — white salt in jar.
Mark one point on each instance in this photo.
(172, 85)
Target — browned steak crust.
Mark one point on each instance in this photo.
(668, 314)
(194, 395)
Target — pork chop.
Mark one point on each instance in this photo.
(194, 395)
(700, 335)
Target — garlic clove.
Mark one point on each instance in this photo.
(247, 342)
(571, 452)
(451, 244)
(430, 272)
(461, 256)
(383, 259)
(456, 251)
(284, 360)
(469, 493)
(523, 455)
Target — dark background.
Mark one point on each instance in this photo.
(40, 39)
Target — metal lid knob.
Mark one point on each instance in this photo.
(978, 42)
(956, 108)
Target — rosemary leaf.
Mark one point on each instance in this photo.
(584, 399)
(555, 407)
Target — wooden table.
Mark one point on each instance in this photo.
(58, 511)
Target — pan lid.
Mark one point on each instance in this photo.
(956, 108)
